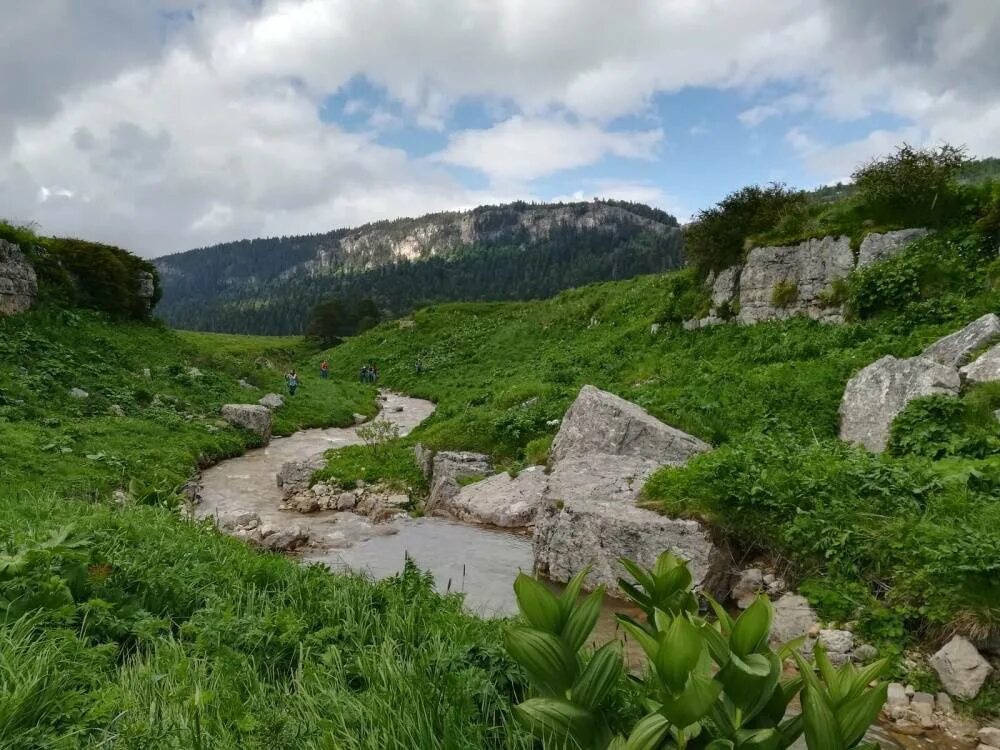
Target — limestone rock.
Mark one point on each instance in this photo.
(285, 540)
(246, 385)
(724, 286)
(956, 349)
(424, 457)
(598, 534)
(989, 736)
(985, 369)
(251, 417)
(896, 697)
(359, 418)
(145, 287)
(812, 267)
(748, 585)
(500, 500)
(880, 391)
(793, 617)
(18, 282)
(448, 468)
(878, 246)
(116, 410)
(943, 702)
(272, 401)
(294, 476)
(837, 641)
(598, 477)
(78, 393)
(864, 653)
(961, 668)
(600, 422)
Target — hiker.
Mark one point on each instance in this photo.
(363, 373)
(324, 370)
(292, 379)
(419, 366)
(374, 373)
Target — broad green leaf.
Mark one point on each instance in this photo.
(538, 605)
(723, 714)
(680, 649)
(791, 729)
(642, 577)
(556, 720)
(782, 695)
(720, 745)
(856, 715)
(752, 628)
(662, 620)
(694, 704)
(634, 593)
(649, 644)
(547, 660)
(794, 646)
(865, 675)
(672, 581)
(834, 681)
(572, 592)
(725, 620)
(718, 646)
(648, 733)
(600, 677)
(755, 665)
(666, 562)
(750, 692)
(821, 728)
(582, 619)
(759, 739)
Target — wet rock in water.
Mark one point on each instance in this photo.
(749, 583)
(985, 368)
(957, 348)
(878, 246)
(285, 540)
(251, 417)
(345, 501)
(294, 476)
(272, 401)
(879, 392)
(449, 468)
(961, 668)
(569, 538)
(359, 418)
(793, 617)
(500, 500)
(603, 423)
(18, 282)
(78, 393)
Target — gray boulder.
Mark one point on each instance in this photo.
(251, 417)
(18, 282)
(145, 287)
(78, 393)
(880, 391)
(724, 286)
(957, 348)
(600, 422)
(811, 266)
(749, 583)
(570, 537)
(424, 457)
(793, 617)
(500, 500)
(961, 667)
(448, 468)
(878, 246)
(984, 369)
(294, 476)
(284, 540)
(271, 401)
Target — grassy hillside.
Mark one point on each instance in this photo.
(905, 542)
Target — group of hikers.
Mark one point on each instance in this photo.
(369, 373)
(292, 377)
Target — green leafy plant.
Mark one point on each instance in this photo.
(784, 293)
(376, 433)
(710, 684)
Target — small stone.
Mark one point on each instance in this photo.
(346, 501)
(944, 704)
(864, 653)
(247, 385)
(908, 728)
(896, 696)
(750, 582)
(120, 497)
(961, 668)
(837, 641)
(910, 690)
(922, 704)
(271, 401)
(655, 328)
(147, 373)
(78, 393)
(989, 736)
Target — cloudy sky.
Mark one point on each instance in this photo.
(162, 125)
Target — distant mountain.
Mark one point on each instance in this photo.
(513, 251)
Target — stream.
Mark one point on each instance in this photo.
(480, 562)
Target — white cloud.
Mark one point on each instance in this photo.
(521, 149)
(786, 105)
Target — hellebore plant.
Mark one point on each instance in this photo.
(710, 684)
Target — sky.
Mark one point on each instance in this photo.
(163, 125)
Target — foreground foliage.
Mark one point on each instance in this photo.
(707, 684)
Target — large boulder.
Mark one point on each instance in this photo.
(449, 469)
(810, 267)
(572, 536)
(500, 500)
(984, 369)
(600, 422)
(878, 246)
(724, 286)
(271, 401)
(295, 476)
(957, 348)
(251, 417)
(18, 283)
(880, 391)
(961, 667)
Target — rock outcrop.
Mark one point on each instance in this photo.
(145, 287)
(807, 270)
(878, 246)
(984, 369)
(294, 476)
(18, 283)
(500, 500)
(961, 667)
(251, 417)
(449, 470)
(879, 392)
(957, 348)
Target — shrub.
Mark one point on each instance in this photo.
(717, 238)
(784, 293)
(536, 452)
(913, 186)
(944, 426)
(717, 683)
(377, 432)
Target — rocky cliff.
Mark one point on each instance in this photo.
(18, 283)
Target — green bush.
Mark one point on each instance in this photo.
(784, 293)
(536, 452)
(708, 684)
(947, 426)
(718, 236)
